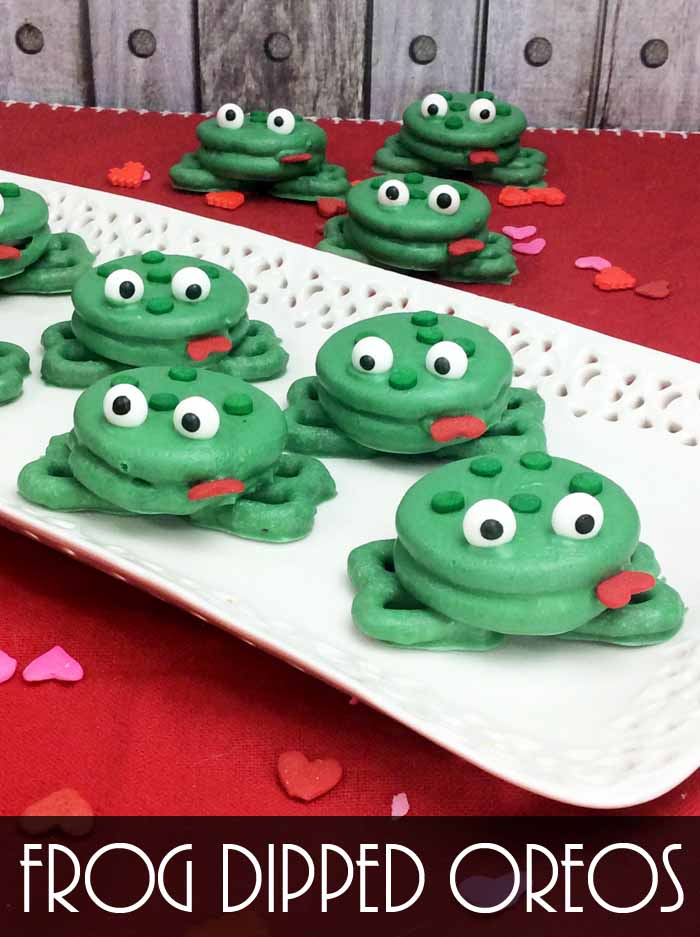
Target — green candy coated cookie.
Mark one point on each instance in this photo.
(513, 551)
(428, 225)
(14, 367)
(64, 260)
(181, 441)
(475, 133)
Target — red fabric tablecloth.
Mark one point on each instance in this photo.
(176, 717)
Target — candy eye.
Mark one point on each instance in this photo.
(191, 285)
(372, 355)
(196, 418)
(482, 111)
(433, 105)
(123, 287)
(125, 405)
(280, 120)
(444, 199)
(578, 516)
(230, 116)
(448, 360)
(2, 204)
(489, 523)
(393, 192)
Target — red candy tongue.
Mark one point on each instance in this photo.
(9, 253)
(483, 156)
(222, 486)
(464, 246)
(296, 158)
(199, 348)
(453, 427)
(617, 591)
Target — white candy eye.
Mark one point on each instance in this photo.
(196, 418)
(230, 116)
(578, 516)
(125, 405)
(482, 111)
(2, 204)
(444, 199)
(372, 355)
(433, 105)
(191, 285)
(448, 360)
(393, 192)
(280, 120)
(123, 287)
(489, 523)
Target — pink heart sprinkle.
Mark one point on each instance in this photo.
(592, 263)
(55, 664)
(519, 234)
(146, 176)
(399, 805)
(530, 247)
(8, 665)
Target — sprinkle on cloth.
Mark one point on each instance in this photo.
(533, 247)
(521, 233)
(55, 664)
(614, 278)
(128, 176)
(63, 810)
(307, 780)
(399, 805)
(8, 666)
(512, 197)
(656, 289)
(330, 207)
(229, 201)
(592, 263)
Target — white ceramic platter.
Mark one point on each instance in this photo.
(586, 724)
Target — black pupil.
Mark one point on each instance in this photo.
(442, 366)
(485, 114)
(392, 193)
(491, 529)
(432, 109)
(367, 363)
(278, 121)
(191, 422)
(230, 114)
(584, 524)
(193, 291)
(121, 405)
(127, 289)
(444, 200)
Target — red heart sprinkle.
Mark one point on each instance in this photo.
(330, 207)
(614, 278)
(230, 200)
(617, 591)
(307, 780)
(464, 246)
(200, 348)
(656, 289)
(9, 253)
(64, 810)
(476, 157)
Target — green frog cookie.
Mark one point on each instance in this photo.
(417, 222)
(413, 383)
(276, 152)
(489, 547)
(14, 367)
(32, 259)
(158, 308)
(455, 131)
(181, 441)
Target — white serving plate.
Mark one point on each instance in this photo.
(586, 724)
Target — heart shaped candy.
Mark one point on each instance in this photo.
(330, 207)
(614, 278)
(228, 200)
(519, 233)
(307, 780)
(656, 289)
(592, 263)
(8, 665)
(55, 664)
(536, 246)
(617, 591)
(128, 176)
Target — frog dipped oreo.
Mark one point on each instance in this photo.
(181, 441)
(421, 223)
(450, 132)
(14, 367)
(32, 259)
(275, 152)
(411, 383)
(489, 547)
(156, 308)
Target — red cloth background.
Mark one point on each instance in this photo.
(175, 717)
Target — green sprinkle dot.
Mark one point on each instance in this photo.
(453, 123)
(377, 182)
(503, 109)
(537, 461)
(447, 95)
(9, 190)
(238, 405)
(258, 117)
(457, 106)
(413, 178)
(461, 188)
(403, 379)
(525, 503)
(430, 336)
(424, 318)
(416, 193)
(485, 467)
(124, 379)
(182, 374)
(211, 271)
(489, 95)
(159, 276)
(163, 402)
(587, 482)
(446, 502)
(468, 345)
(159, 305)
(153, 257)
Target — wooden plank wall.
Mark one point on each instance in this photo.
(606, 63)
